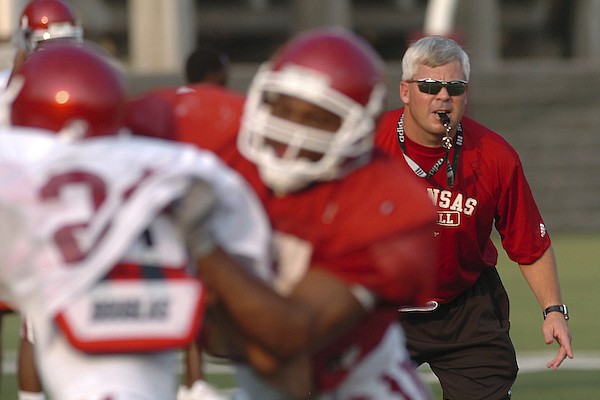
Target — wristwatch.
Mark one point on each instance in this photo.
(562, 308)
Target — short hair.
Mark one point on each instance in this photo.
(434, 51)
(204, 63)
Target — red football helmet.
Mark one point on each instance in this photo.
(334, 69)
(72, 88)
(48, 19)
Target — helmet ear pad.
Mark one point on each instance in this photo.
(68, 83)
(333, 69)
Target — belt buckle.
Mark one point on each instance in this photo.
(430, 306)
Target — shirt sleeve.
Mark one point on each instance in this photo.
(522, 230)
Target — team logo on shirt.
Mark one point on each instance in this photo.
(542, 230)
(451, 206)
(448, 218)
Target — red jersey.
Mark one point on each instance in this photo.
(490, 190)
(206, 115)
(355, 228)
(346, 223)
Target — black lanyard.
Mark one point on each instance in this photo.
(450, 166)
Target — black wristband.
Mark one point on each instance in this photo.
(562, 308)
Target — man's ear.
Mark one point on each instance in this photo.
(403, 89)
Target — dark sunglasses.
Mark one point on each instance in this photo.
(433, 86)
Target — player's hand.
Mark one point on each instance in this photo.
(555, 327)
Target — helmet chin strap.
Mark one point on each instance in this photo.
(280, 182)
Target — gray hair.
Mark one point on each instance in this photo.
(434, 51)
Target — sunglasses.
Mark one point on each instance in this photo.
(433, 86)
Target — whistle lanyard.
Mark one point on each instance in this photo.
(450, 166)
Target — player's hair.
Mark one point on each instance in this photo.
(434, 51)
(203, 63)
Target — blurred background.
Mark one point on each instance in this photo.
(535, 66)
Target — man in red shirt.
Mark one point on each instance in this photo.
(349, 247)
(476, 181)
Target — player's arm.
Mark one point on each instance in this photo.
(319, 306)
(542, 277)
(280, 332)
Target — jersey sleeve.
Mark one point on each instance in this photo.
(522, 230)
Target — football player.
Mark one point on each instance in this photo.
(100, 227)
(41, 21)
(349, 246)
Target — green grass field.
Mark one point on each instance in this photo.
(578, 258)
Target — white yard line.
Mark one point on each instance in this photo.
(528, 362)
(536, 362)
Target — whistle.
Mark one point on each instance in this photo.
(444, 117)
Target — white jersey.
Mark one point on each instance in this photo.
(22, 144)
(26, 144)
(75, 210)
(386, 373)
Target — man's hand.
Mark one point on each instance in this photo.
(555, 327)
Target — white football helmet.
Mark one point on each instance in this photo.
(334, 69)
